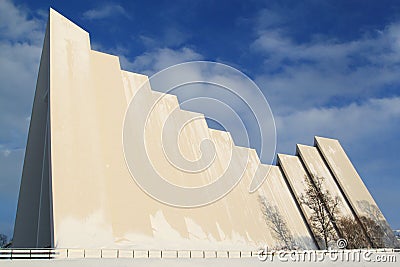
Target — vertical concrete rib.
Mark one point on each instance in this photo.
(346, 201)
(316, 167)
(26, 222)
(296, 176)
(44, 218)
(276, 195)
(352, 186)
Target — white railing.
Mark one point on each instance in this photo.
(119, 253)
(123, 253)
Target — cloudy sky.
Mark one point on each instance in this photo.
(327, 68)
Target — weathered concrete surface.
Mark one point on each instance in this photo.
(279, 197)
(317, 168)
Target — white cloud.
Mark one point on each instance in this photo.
(153, 61)
(351, 123)
(105, 11)
(17, 24)
(20, 46)
(321, 70)
(6, 152)
(18, 71)
(174, 37)
(21, 38)
(11, 170)
(170, 37)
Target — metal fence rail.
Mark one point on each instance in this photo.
(28, 253)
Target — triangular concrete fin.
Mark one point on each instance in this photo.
(33, 223)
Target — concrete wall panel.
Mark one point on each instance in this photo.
(297, 176)
(316, 167)
(352, 185)
(277, 194)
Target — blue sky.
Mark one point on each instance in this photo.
(328, 68)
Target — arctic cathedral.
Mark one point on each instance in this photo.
(79, 189)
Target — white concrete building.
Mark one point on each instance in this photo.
(78, 192)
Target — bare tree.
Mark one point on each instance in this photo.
(323, 207)
(352, 231)
(374, 232)
(376, 227)
(3, 240)
(277, 224)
